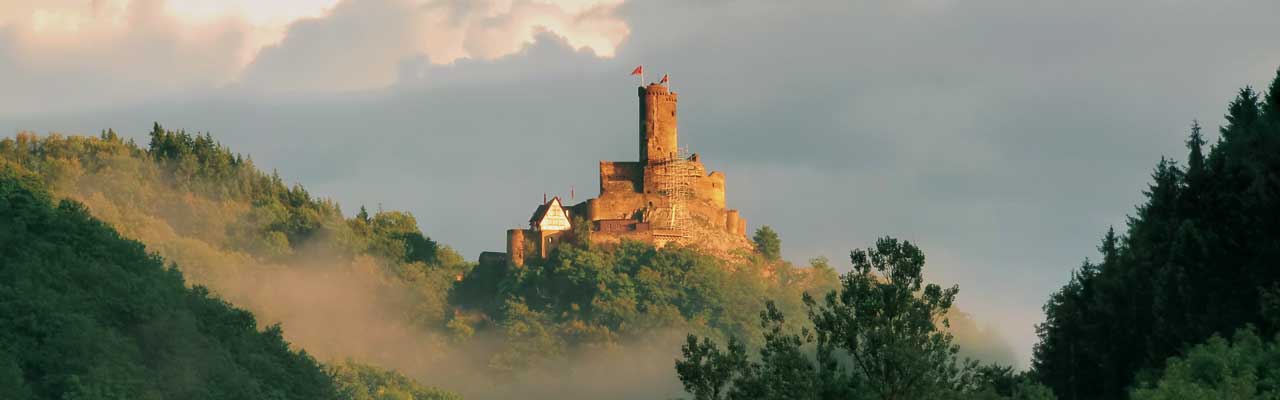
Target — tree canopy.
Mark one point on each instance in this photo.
(1245, 367)
(223, 223)
(85, 313)
(768, 243)
(881, 335)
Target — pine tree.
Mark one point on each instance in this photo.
(159, 141)
(1272, 100)
(363, 215)
(768, 243)
(1196, 170)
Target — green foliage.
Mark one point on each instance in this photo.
(1000, 382)
(531, 337)
(194, 202)
(1196, 260)
(705, 370)
(879, 336)
(365, 382)
(783, 372)
(581, 232)
(395, 235)
(182, 173)
(85, 313)
(460, 330)
(1244, 368)
(583, 297)
(887, 320)
(768, 243)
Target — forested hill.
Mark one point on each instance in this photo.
(87, 314)
(1201, 257)
(596, 321)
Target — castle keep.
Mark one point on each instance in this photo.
(665, 196)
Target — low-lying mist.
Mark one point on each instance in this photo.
(392, 314)
(338, 311)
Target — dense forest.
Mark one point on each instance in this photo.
(1196, 263)
(88, 314)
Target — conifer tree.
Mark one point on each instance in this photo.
(768, 243)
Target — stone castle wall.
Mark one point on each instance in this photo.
(621, 176)
(710, 189)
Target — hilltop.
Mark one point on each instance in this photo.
(372, 287)
(90, 314)
(665, 197)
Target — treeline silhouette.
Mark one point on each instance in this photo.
(1201, 257)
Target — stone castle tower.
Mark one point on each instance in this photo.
(658, 136)
(665, 196)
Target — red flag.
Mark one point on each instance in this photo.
(639, 69)
(665, 79)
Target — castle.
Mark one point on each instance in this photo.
(666, 196)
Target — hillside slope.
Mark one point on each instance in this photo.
(85, 313)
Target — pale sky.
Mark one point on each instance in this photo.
(1003, 136)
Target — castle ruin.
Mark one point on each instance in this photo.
(666, 196)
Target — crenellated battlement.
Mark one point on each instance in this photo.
(655, 89)
(657, 93)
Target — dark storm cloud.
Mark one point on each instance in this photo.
(1004, 136)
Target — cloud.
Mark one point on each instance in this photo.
(363, 44)
(357, 46)
(111, 52)
(106, 52)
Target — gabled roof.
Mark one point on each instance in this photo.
(541, 211)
